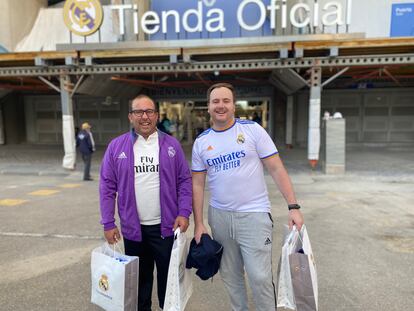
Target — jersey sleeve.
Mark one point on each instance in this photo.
(197, 164)
(264, 144)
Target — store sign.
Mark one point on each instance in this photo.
(83, 17)
(233, 18)
(178, 19)
(402, 20)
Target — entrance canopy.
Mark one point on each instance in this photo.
(286, 65)
(264, 61)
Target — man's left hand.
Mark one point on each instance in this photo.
(295, 218)
(181, 222)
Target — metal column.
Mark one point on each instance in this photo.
(289, 121)
(1, 127)
(271, 122)
(68, 128)
(314, 134)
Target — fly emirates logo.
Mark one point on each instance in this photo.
(226, 161)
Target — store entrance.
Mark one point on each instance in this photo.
(185, 120)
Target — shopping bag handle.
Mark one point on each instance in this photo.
(300, 232)
(294, 228)
(115, 245)
(177, 233)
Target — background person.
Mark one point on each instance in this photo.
(86, 144)
(165, 124)
(145, 172)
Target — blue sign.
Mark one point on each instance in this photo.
(208, 19)
(402, 20)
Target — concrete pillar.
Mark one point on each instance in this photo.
(129, 22)
(1, 127)
(289, 121)
(143, 6)
(333, 147)
(140, 6)
(272, 119)
(68, 128)
(188, 121)
(314, 133)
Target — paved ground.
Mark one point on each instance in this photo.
(361, 226)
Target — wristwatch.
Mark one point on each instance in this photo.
(293, 206)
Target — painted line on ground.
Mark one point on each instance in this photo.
(56, 236)
(44, 192)
(69, 186)
(11, 202)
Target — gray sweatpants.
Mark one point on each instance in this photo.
(247, 243)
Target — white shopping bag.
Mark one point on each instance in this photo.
(285, 296)
(180, 280)
(114, 279)
(297, 278)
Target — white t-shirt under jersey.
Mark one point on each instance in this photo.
(147, 179)
(232, 160)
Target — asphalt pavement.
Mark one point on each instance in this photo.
(361, 226)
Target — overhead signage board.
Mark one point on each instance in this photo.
(402, 20)
(212, 19)
(204, 19)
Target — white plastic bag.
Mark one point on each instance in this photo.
(180, 280)
(297, 278)
(285, 296)
(114, 279)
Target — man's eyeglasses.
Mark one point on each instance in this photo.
(139, 113)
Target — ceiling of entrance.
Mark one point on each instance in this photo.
(349, 67)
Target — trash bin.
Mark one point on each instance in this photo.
(333, 146)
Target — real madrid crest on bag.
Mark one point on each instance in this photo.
(103, 282)
(114, 279)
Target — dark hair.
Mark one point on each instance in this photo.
(140, 97)
(218, 85)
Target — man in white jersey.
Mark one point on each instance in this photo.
(232, 154)
(145, 174)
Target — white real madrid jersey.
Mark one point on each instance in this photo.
(147, 179)
(232, 160)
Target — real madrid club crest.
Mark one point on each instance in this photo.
(103, 283)
(83, 17)
(240, 139)
(171, 151)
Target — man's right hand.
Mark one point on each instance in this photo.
(112, 236)
(198, 231)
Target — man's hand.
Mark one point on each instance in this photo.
(295, 218)
(112, 236)
(198, 231)
(182, 223)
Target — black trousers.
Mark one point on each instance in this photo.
(152, 249)
(87, 165)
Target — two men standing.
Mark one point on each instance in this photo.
(145, 171)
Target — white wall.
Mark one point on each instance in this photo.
(373, 17)
(16, 20)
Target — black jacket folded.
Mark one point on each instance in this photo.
(205, 257)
